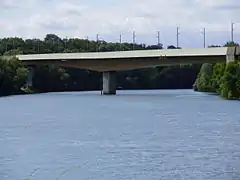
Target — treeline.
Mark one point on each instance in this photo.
(54, 44)
(52, 78)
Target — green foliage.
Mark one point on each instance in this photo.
(218, 71)
(231, 44)
(230, 82)
(203, 81)
(12, 76)
(13, 52)
(222, 78)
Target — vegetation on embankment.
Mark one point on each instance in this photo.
(221, 78)
(12, 77)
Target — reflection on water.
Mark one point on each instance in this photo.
(141, 135)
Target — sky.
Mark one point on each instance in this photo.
(110, 18)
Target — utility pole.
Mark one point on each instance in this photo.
(120, 42)
(158, 39)
(33, 43)
(58, 46)
(13, 43)
(134, 39)
(178, 36)
(232, 31)
(87, 44)
(204, 37)
(66, 42)
(38, 44)
(97, 39)
(6, 47)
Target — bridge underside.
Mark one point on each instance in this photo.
(127, 64)
(110, 66)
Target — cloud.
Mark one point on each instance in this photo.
(18, 3)
(81, 18)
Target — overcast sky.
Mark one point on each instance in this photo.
(109, 18)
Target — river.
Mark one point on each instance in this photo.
(165, 134)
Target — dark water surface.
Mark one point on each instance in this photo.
(143, 135)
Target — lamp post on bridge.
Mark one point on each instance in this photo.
(134, 39)
(120, 42)
(204, 37)
(158, 40)
(97, 45)
(232, 31)
(178, 33)
(233, 26)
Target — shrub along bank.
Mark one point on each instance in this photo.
(12, 77)
(221, 78)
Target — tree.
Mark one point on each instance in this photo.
(203, 81)
(218, 72)
(230, 83)
(12, 76)
(231, 44)
(13, 52)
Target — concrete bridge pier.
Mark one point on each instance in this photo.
(232, 54)
(109, 83)
(231, 58)
(31, 70)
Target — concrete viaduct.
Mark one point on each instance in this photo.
(110, 62)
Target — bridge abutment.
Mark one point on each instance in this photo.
(31, 71)
(109, 83)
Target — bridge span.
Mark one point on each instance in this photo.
(110, 62)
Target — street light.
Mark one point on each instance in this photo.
(204, 37)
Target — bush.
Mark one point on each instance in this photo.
(12, 76)
(230, 82)
(203, 81)
(221, 78)
(218, 72)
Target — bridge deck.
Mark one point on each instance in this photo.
(219, 51)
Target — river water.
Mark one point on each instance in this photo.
(142, 135)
